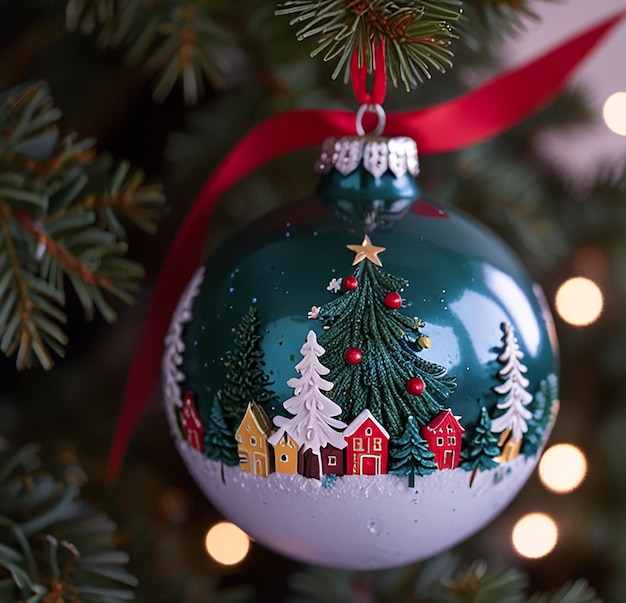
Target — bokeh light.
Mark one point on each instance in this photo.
(226, 543)
(579, 301)
(562, 468)
(614, 112)
(534, 535)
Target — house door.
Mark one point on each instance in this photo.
(370, 465)
(448, 459)
(194, 440)
(260, 465)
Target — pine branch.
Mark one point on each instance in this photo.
(497, 19)
(61, 206)
(442, 579)
(173, 41)
(417, 36)
(578, 592)
(53, 546)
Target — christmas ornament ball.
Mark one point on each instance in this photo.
(338, 428)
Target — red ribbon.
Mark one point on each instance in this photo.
(358, 75)
(470, 119)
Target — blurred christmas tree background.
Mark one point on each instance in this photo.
(169, 87)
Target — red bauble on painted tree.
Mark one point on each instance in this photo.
(353, 355)
(393, 300)
(350, 283)
(415, 386)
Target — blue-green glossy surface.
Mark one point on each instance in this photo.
(464, 283)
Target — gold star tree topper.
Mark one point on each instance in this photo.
(366, 251)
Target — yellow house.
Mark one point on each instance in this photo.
(285, 452)
(510, 447)
(252, 446)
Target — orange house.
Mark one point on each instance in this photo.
(252, 445)
(444, 434)
(285, 452)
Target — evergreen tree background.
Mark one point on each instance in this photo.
(115, 77)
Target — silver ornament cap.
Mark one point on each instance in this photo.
(376, 154)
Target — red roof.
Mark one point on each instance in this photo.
(443, 418)
(360, 419)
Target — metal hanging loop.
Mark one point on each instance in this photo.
(380, 114)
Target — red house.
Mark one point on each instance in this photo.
(193, 429)
(367, 444)
(444, 434)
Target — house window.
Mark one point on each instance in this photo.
(252, 441)
(368, 431)
(332, 461)
(283, 458)
(449, 428)
(358, 444)
(378, 444)
(440, 441)
(239, 438)
(247, 427)
(452, 441)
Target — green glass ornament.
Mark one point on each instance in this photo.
(360, 347)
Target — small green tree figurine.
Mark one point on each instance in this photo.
(410, 454)
(542, 411)
(246, 381)
(483, 450)
(219, 439)
(372, 349)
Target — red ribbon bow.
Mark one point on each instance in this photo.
(472, 118)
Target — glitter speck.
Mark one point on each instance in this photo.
(254, 300)
(287, 235)
(375, 527)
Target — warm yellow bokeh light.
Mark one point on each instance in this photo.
(579, 301)
(614, 113)
(535, 535)
(226, 543)
(562, 468)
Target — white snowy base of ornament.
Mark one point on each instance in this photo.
(358, 522)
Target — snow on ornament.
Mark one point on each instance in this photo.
(339, 428)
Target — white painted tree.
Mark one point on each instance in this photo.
(313, 424)
(175, 347)
(516, 396)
